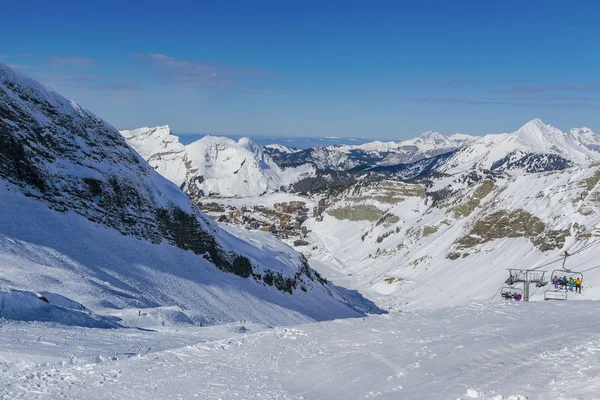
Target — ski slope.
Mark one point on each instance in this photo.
(513, 351)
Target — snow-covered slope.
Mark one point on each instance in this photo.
(449, 240)
(213, 165)
(535, 147)
(535, 351)
(85, 217)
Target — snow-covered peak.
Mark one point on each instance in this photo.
(161, 149)
(146, 131)
(462, 138)
(248, 145)
(534, 139)
(581, 131)
(281, 148)
(233, 168)
(24, 90)
(431, 136)
(152, 140)
(539, 135)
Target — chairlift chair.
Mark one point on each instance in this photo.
(562, 272)
(555, 295)
(507, 292)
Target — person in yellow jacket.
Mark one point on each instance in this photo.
(578, 285)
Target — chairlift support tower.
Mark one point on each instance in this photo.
(526, 277)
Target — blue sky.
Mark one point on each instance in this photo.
(370, 69)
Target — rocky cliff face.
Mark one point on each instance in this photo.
(62, 154)
(57, 152)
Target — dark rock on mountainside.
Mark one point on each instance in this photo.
(72, 160)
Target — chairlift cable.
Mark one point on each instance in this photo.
(589, 269)
(497, 291)
(587, 246)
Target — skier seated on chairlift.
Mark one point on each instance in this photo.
(578, 285)
(564, 282)
(571, 283)
(555, 281)
(511, 296)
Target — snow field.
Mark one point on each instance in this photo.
(511, 351)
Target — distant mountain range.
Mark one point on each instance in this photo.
(213, 165)
(224, 167)
(296, 142)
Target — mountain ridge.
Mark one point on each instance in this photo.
(61, 163)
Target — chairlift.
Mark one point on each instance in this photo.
(508, 293)
(561, 273)
(555, 295)
(564, 272)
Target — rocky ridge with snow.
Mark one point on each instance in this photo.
(535, 147)
(512, 200)
(223, 167)
(346, 157)
(213, 165)
(79, 205)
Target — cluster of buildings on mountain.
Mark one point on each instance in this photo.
(284, 220)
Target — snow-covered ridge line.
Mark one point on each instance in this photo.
(346, 157)
(576, 147)
(213, 165)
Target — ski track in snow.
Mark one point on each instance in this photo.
(512, 351)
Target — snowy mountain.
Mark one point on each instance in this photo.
(85, 219)
(213, 165)
(280, 148)
(427, 145)
(535, 147)
(346, 157)
(512, 200)
(161, 150)
(448, 240)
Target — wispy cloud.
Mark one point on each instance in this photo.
(19, 67)
(79, 61)
(91, 82)
(117, 87)
(200, 73)
(515, 103)
(561, 87)
(466, 82)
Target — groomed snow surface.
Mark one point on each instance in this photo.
(510, 351)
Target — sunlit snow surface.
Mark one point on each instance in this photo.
(508, 351)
